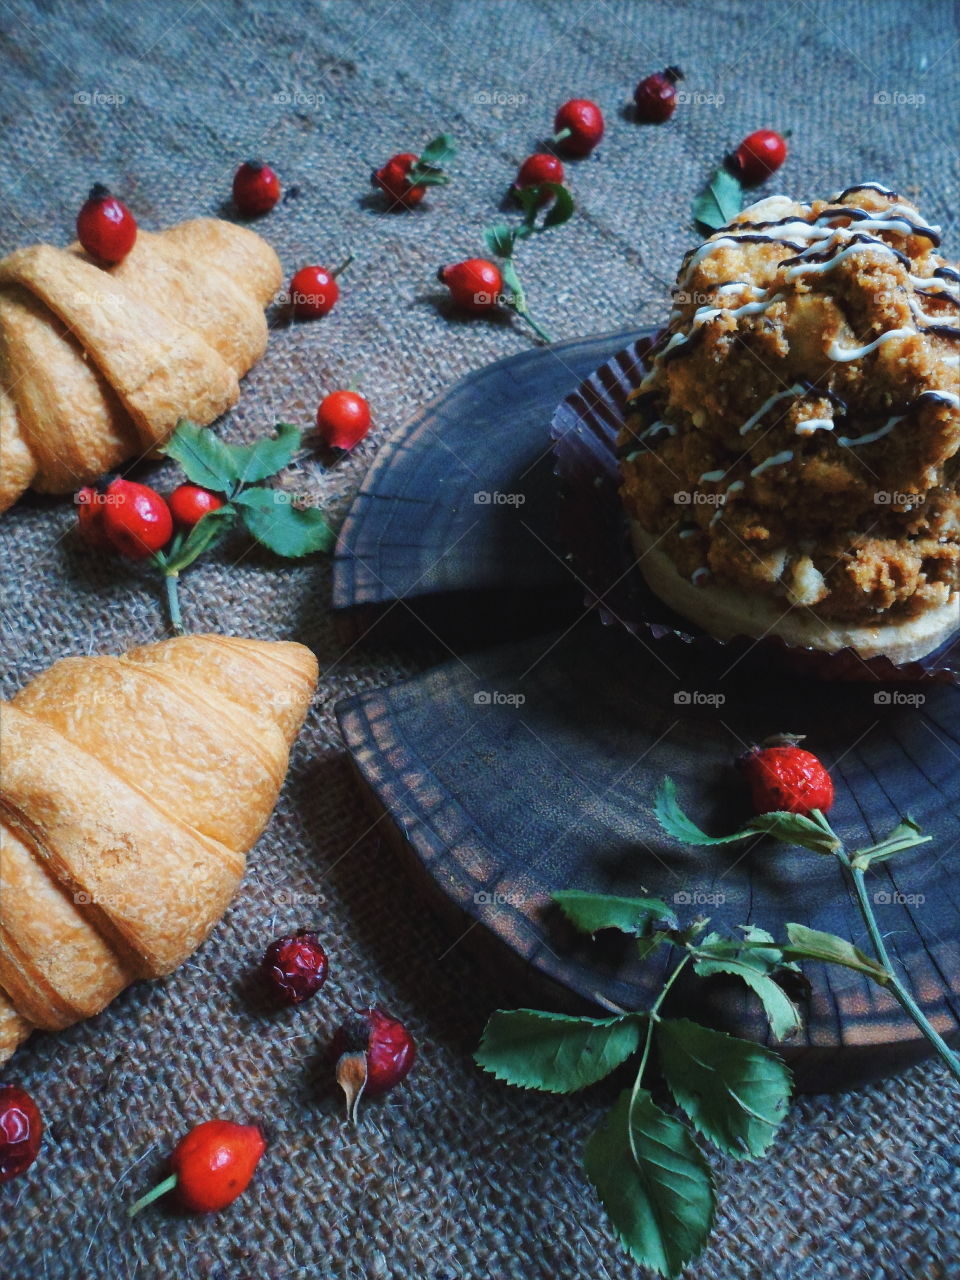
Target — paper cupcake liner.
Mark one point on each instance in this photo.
(594, 527)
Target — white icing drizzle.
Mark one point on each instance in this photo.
(700, 576)
(948, 397)
(736, 487)
(776, 460)
(711, 477)
(703, 314)
(922, 315)
(689, 533)
(751, 422)
(865, 245)
(943, 283)
(888, 426)
(845, 354)
(668, 427)
(810, 425)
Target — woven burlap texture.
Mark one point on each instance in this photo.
(455, 1176)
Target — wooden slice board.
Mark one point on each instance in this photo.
(527, 767)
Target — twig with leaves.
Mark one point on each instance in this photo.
(648, 1171)
(271, 516)
(502, 239)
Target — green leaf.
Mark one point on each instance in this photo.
(735, 1093)
(529, 198)
(204, 457)
(555, 1053)
(654, 1183)
(591, 912)
(720, 200)
(562, 208)
(500, 240)
(265, 457)
(272, 518)
(667, 811)
(763, 945)
(438, 152)
(754, 970)
(796, 828)
(811, 944)
(905, 835)
(791, 828)
(201, 537)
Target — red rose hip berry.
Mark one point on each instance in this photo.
(374, 1052)
(105, 227)
(578, 127)
(655, 98)
(536, 169)
(475, 284)
(21, 1130)
(393, 179)
(759, 155)
(313, 292)
(295, 967)
(256, 188)
(136, 519)
(212, 1165)
(189, 503)
(343, 419)
(784, 778)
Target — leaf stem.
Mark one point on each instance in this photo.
(343, 266)
(898, 988)
(154, 1193)
(170, 580)
(519, 301)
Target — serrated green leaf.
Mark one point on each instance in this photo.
(647, 945)
(591, 912)
(782, 1013)
(667, 811)
(265, 457)
(205, 459)
(653, 1182)
(735, 1093)
(720, 200)
(500, 240)
(553, 1052)
(273, 519)
(811, 944)
(792, 828)
(763, 945)
(562, 208)
(905, 835)
(439, 151)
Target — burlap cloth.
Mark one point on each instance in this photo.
(455, 1176)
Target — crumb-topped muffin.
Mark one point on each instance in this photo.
(790, 462)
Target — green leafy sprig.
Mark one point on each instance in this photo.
(643, 1161)
(427, 169)
(719, 202)
(502, 239)
(272, 516)
(814, 832)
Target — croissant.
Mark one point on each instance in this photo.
(98, 362)
(130, 790)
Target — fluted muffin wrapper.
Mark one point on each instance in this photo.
(594, 526)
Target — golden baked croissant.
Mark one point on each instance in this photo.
(98, 362)
(130, 790)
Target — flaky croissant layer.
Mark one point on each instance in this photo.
(130, 790)
(98, 362)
